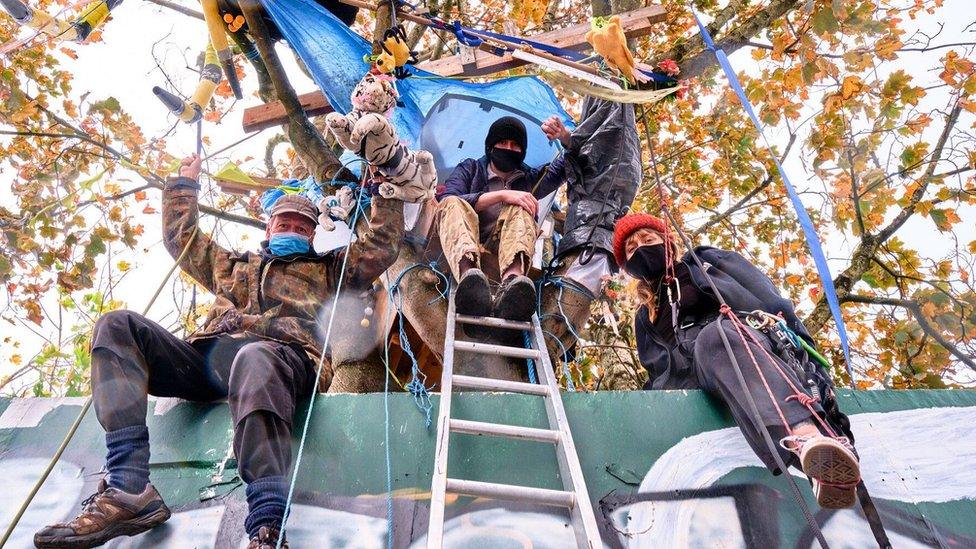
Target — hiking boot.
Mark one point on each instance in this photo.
(832, 468)
(473, 298)
(106, 514)
(267, 538)
(515, 299)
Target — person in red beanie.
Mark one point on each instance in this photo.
(679, 329)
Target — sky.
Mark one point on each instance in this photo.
(142, 41)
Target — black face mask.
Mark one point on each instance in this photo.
(648, 262)
(505, 160)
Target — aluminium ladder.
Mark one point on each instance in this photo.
(574, 496)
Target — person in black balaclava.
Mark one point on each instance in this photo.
(492, 202)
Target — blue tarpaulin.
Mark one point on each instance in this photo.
(452, 131)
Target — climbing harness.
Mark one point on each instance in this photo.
(574, 496)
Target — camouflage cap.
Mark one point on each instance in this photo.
(295, 203)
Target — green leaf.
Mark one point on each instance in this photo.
(825, 22)
(95, 246)
(110, 104)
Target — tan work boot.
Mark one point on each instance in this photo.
(267, 538)
(831, 466)
(106, 514)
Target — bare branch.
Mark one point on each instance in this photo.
(916, 311)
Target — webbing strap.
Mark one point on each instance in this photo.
(813, 241)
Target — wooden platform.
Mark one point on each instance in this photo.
(636, 23)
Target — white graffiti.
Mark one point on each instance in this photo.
(904, 457)
(28, 412)
(504, 528)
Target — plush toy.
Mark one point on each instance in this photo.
(366, 131)
(336, 207)
(608, 39)
(395, 53)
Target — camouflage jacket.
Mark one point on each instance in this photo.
(277, 298)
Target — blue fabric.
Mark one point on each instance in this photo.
(813, 241)
(127, 460)
(334, 55)
(289, 244)
(266, 498)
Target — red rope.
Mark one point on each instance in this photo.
(799, 395)
(727, 311)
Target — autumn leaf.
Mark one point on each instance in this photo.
(851, 87)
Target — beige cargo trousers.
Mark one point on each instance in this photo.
(512, 239)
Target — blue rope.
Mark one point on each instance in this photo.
(418, 380)
(311, 404)
(567, 373)
(530, 364)
(813, 241)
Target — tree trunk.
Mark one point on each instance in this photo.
(306, 140)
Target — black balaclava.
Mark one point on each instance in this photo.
(648, 262)
(506, 127)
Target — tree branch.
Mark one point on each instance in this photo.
(916, 311)
(695, 64)
(308, 143)
(868, 246)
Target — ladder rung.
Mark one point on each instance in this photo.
(498, 350)
(493, 322)
(487, 384)
(542, 496)
(502, 430)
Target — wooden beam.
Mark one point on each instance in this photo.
(273, 114)
(636, 23)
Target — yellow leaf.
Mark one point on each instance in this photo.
(16, 360)
(851, 86)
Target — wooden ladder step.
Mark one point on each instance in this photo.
(494, 322)
(502, 430)
(498, 350)
(502, 386)
(541, 496)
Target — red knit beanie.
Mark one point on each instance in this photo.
(628, 225)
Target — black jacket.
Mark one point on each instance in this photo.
(469, 180)
(744, 287)
(603, 172)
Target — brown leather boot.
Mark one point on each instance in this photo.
(267, 538)
(106, 514)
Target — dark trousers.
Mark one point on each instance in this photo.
(133, 357)
(715, 374)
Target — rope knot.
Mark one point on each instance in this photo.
(804, 399)
(725, 309)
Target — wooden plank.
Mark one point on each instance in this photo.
(273, 114)
(636, 23)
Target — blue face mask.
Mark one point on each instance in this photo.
(288, 244)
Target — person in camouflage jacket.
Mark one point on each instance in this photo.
(259, 348)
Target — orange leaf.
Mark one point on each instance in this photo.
(140, 195)
(149, 210)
